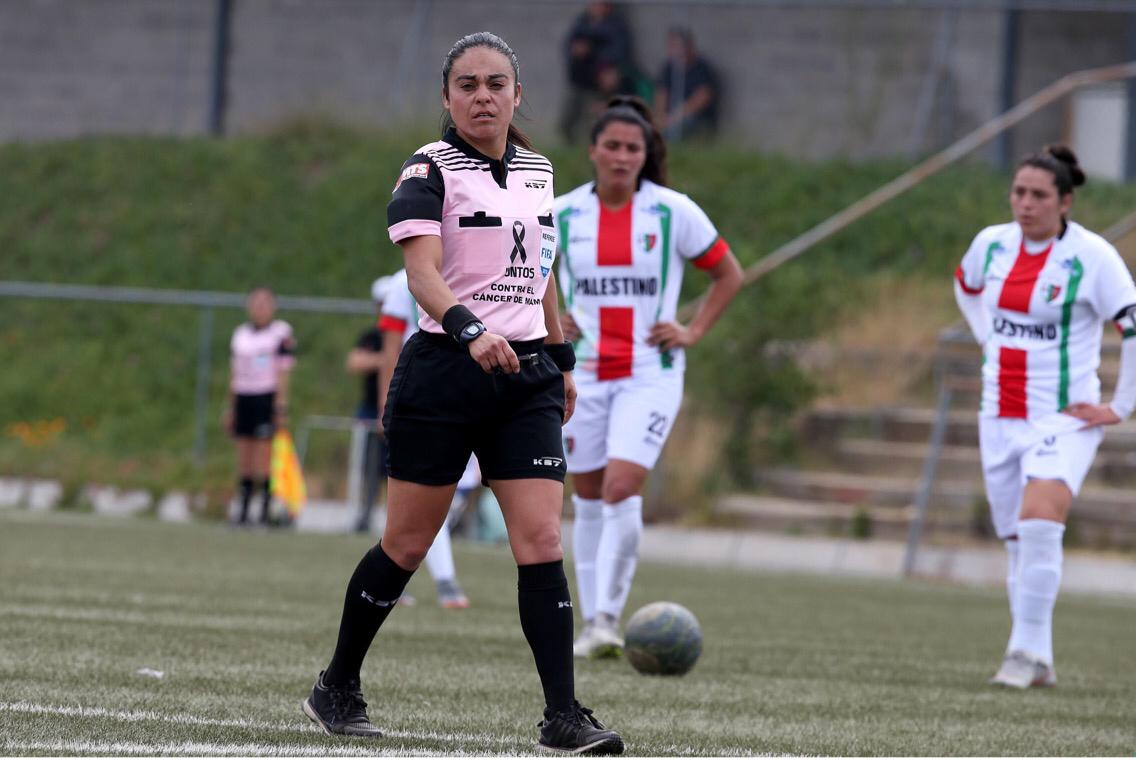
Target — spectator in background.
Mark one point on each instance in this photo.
(599, 60)
(686, 99)
(262, 355)
(365, 359)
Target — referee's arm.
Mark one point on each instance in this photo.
(423, 259)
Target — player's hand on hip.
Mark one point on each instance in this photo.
(493, 353)
(569, 327)
(569, 396)
(671, 334)
(1092, 414)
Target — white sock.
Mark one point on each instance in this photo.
(440, 558)
(1012, 553)
(618, 554)
(1039, 578)
(586, 531)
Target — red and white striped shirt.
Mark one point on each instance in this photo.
(400, 310)
(1043, 310)
(621, 273)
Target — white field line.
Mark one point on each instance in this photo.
(159, 618)
(485, 742)
(270, 726)
(89, 747)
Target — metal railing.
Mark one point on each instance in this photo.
(207, 301)
(913, 177)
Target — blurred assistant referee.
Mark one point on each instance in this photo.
(488, 373)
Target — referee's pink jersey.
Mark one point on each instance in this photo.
(257, 356)
(495, 221)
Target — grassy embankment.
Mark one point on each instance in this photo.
(96, 392)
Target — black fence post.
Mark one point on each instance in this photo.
(217, 100)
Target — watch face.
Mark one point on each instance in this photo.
(472, 329)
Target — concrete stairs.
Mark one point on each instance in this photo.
(865, 467)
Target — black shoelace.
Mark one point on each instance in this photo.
(577, 715)
(346, 702)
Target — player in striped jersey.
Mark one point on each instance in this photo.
(1035, 293)
(625, 239)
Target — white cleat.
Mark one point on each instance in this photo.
(582, 647)
(1021, 670)
(600, 639)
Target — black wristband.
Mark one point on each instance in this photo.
(458, 317)
(562, 355)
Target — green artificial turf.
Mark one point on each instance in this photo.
(240, 622)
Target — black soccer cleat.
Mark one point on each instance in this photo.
(577, 732)
(339, 710)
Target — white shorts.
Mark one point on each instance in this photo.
(628, 419)
(1017, 450)
(471, 477)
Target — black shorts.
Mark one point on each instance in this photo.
(253, 416)
(441, 407)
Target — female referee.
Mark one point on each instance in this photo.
(1035, 292)
(261, 356)
(487, 373)
(624, 239)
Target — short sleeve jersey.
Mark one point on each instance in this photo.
(621, 273)
(1045, 311)
(400, 311)
(495, 221)
(257, 356)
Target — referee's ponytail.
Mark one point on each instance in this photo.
(493, 42)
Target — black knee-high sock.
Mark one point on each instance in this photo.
(266, 493)
(546, 618)
(246, 496)
(372, 592)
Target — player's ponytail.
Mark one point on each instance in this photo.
(1064, 154)
(1061, 161)
(495, 43)
(630, 109)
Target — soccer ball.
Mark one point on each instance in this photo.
(663, 638)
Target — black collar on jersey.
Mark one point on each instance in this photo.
(499, 168)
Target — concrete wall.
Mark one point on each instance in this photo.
(1049, 43)
(71, 67)
(807, 82)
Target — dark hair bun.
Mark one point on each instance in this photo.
(637, 104)
(1066, 155)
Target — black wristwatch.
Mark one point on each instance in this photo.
(470, 332)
